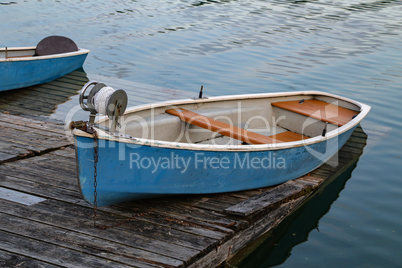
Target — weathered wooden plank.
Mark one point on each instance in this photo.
(259, 227)
(78, 73)
(51, 253)
(238, 195)
(38, 94)
(83, 243)
(320, 173)
(9, 259)
(359, 133)
(219, 202)
(80, 81)
(207, 206)
(66, 170)
(267, 199)
(56, 92)
(63, 85)
(24, 136)
(38, 170)
(18, 110)
(15, 109)
(37, 131)
(59, 95)
(23, 163)
(13, 148)
(254, 192)
(34, 144)
(67, 152)
(36, 148)
(174, 207)
(28, 134)
(40, 189)
(180, 223)
(56, 167)
(215, 202)
(32, 123)
(65, 165)
(29, 104)
(358, 140)
(352, 148)
(19, 197)
(76, 218)
(42, 164)
(316, 181)
(335, 162)
(4, 156)
(345, 158)
(25, 100)
(37, 175)
(75, 76)
(226, 199)
(52, 160)
(175, 234)
(41, 185)
(188, 225)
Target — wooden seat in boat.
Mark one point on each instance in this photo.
(232, 131)
(320, 110)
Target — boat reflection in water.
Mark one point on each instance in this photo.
(295, 229)
(44, 99)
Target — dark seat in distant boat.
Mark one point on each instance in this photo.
(320, 110)
(55, 45)
(228, 130)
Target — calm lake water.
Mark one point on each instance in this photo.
(351, 48)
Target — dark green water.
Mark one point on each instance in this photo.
(350, 48)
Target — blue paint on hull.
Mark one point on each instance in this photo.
(24, 73)
(129, 171)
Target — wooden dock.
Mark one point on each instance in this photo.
(45, 223)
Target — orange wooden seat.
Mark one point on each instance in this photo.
(232, 131)
(320, 110)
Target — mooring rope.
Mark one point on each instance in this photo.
(101, 99)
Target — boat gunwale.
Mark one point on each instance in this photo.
(364, 109)
(80, 51)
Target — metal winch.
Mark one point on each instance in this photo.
(104, 100)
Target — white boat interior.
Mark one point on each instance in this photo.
(17, 52)
(283, 117)
(51, 45)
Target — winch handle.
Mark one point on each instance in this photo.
(89, 105)
(84, 105)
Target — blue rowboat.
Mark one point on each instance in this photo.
(23, 66)
(213, 145)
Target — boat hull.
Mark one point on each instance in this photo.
(29, 71)
(127, 171)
